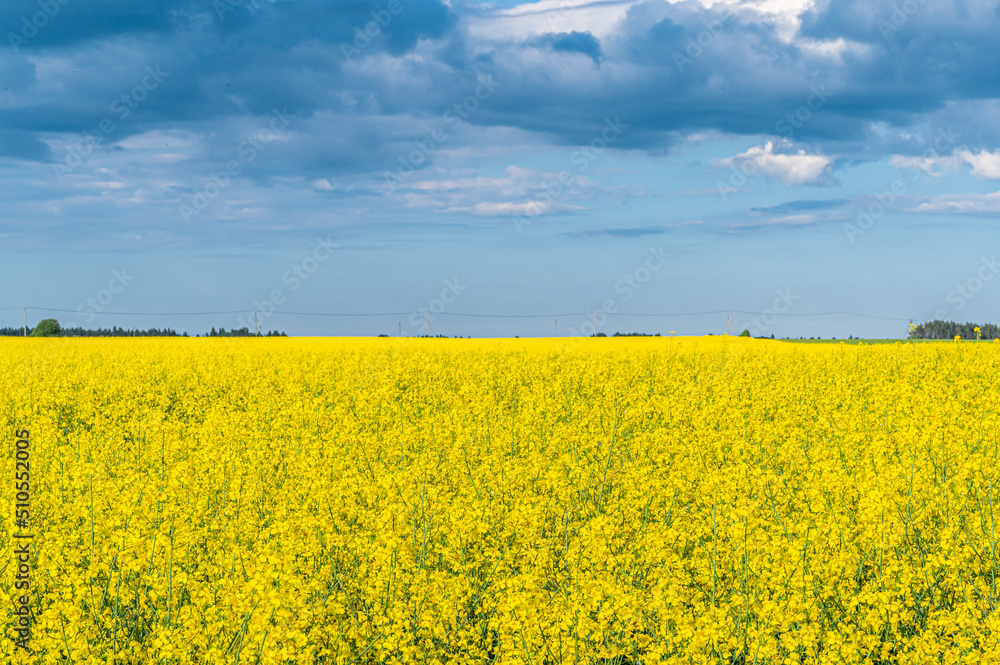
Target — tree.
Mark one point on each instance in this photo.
(745, 333)
(47, 328)
(938, 329)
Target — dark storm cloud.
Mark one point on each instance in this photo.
(33, 25)
(572, 42)
(342, 68)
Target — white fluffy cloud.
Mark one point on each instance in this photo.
(984, 164)
(790, 168)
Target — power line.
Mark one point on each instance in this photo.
(103, 313)
(468, 314)
(865, 316)
(278, 311)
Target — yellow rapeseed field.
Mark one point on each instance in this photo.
(709, 500)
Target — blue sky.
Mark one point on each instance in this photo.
(647, 165)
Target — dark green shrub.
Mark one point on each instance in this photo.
(47, 328)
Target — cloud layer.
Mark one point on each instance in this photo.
(817, 85)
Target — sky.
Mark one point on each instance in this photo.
(790, 167)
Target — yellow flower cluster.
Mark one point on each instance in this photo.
(664, 500)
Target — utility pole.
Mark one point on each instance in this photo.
(25, 321)
(729, 323)
(255, 323)
(555, 329)
(400, 329)
(843, 326)
(428, 323)
(595, 323)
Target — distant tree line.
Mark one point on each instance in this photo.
(938, 329)
(53, 330)
(242, 332)
(119, 332)
(631, 334)
(435, 337)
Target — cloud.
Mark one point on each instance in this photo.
(984, 164)
(786, 220)
(963, 204)
(800, 205)
(704, 191)
(532, 19)
(636, 232)
(675, 72)
(68, 24)
(790, 168)
(750, 65)
(23, 145)
(572, 42)
(519, 191)
(927, 165)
